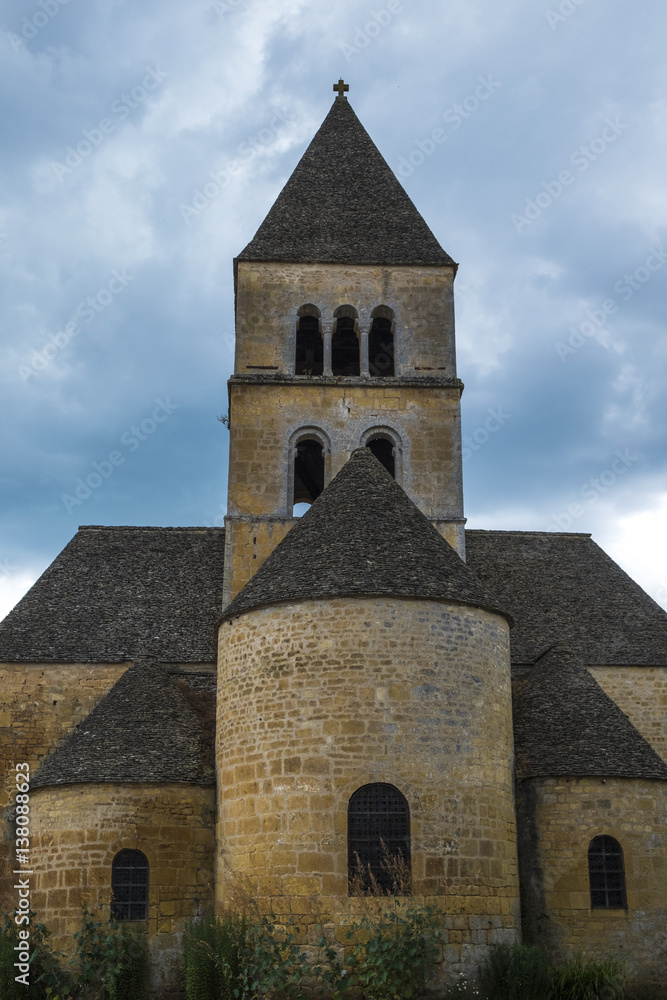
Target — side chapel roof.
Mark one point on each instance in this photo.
(363, 536)
(343, 204)
(114, 594)
(566, 725)
(142, 730)
(562, 587)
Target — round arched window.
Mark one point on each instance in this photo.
(129, 886)
(378, 840)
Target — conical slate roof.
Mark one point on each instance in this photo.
(362, 536)
(343, 204)
(565, 724)
(142, 730)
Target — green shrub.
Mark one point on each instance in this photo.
(47, 976)
(111, 960)
(395, 943)
(515, 972)
(580, 979)
(233, 958)
(395, 947)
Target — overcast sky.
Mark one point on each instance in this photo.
(547, 182)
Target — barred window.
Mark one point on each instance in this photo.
(378, 839)
(129, 886)
(606, 874)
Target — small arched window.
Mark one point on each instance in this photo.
(129, 886)
(606, 874)
(309, 345)
(378, 840)
(345, 352)
(381, 344)
(308, 471)
(383, 449)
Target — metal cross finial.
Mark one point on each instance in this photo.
(341, 89)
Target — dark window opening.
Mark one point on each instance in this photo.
(378, 840)
(383, 449)
(345, 348)
(308, 471)
(606, 874)
(381, 348)
(129, 886)
(309, 347)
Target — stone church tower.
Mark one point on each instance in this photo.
(361, 658)
(344, 338)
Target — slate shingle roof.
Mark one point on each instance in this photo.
(563, 587)
(117, 593)
(343, 204)
(565, 724)
(363, 536)
(142, 730)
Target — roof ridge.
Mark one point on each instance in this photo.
(517, 531)
(148, 527)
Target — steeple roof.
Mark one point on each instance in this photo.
(142, 730)
(363, 536)
(566, 725)
(343, 204)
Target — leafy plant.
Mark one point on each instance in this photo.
(46, 977)
(111, 960)
(234, 957)
(395, 944)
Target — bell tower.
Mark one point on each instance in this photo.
(344, 338)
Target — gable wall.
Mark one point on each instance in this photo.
(640, 692)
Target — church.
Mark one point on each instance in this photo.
(279, 698)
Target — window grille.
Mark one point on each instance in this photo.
(605, 871)
(378, 831)
(129, 886)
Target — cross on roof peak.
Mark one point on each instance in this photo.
(341, 88)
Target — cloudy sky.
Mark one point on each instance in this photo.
(548, 183)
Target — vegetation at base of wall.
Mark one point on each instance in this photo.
(110, 963)
(515, 972)
(396, 947)
(587, 979)
(395, 943)
(234, 957)
(46, 973)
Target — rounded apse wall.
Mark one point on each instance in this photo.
(318, 698)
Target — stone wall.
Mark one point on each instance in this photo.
(40, 703)
(78, 829)
(640, 692)
(557, 819)
(316, 699)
